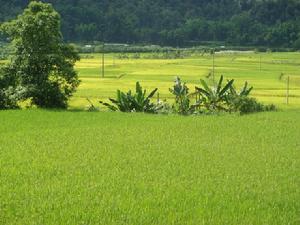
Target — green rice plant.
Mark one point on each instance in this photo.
(123, 168)
(129, 102)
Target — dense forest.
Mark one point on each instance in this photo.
(274, 23)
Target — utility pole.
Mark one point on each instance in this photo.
(213, 70)
(103, 59)
(287, 90)
(260, 62)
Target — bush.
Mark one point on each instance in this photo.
(164, 107)
(9, 97)
(246, 105)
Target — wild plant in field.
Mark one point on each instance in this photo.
(227, 98)
(241, 101)
(214, 98)
(209, 99)
(182, 98)
(91, 107)
(244, 92)
(137, 102)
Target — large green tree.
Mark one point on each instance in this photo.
(42, 64)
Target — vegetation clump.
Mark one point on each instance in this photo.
(207, 99)
(182, 103)
(133, 102)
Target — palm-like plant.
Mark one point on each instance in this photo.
(245, 91)
(240, 101)
(182, 102)
(129, 102)
(214, 97)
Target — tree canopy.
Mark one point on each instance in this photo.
(42, 65)
(175, 22)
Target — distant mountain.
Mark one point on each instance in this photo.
(175, 22)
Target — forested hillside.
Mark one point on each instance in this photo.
(175, 22)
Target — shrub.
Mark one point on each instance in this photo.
(246, 105)
(10, 96)
(242, 103)
(164, 107)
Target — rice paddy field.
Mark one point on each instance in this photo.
(266, 72)
(79, 167)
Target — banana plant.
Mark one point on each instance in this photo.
(214, 97)
(129, 102)
(245, 91)
(182, 101)
(239, 100)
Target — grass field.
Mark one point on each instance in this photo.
(77, 167)
(113, 168)
(263, 71)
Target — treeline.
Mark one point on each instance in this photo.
(273, 23)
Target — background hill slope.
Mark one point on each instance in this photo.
(175, 22)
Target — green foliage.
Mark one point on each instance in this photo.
(42, 63)
(91, 107)
(297, 43)
(245, 105)
(165, 22)
(4, 51)
(209, 99)
(9, 93)
(242, 103)
(182, 103)
(214, 98)
(137, 102)
(227, 98)
(245, 91)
